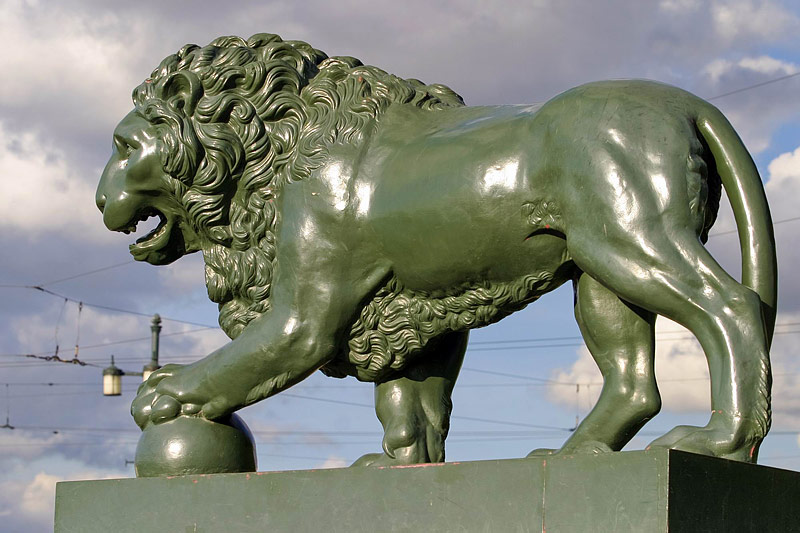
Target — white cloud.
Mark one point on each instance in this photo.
(40, 193)
(201, 343)
(184, 275)
(31, 501)
(37, 333)
(783, 170)
(786, 373)
(679, 6)
(761, 19)
(38, 495)
(768, 65)
(755, 114)
(62, 52)
(783, 192)
(763, 64)
(28, 446)
(334, 461)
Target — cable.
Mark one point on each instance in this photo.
(517, 376)
(728, 232)
(48, 384)
(95, 271)
(453, 417)
(578, 337)
(754, 86)
(49, 358)
(308, 433)
(661, 337)
(100, 306)
(454, 436)
(41, 288)
(112, 343)
(75, 276)
(58, 324)
(119, 310)
(78, 329)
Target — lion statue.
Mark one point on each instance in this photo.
(361, 224)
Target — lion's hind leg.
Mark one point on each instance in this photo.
(663, 268)
(414, 406)
(619, 336)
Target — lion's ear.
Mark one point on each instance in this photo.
(183, 90)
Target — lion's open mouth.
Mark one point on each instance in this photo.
(154, 240)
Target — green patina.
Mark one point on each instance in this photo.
(359, 223)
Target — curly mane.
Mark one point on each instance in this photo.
(242, 118)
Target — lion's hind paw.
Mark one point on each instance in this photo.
(541, 452)
(714, 440)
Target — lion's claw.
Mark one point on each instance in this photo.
(165, 408)
(190, 409)
(370, 459)
(153, 406)
(174, 391)
(590, 447)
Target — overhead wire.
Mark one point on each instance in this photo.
(90, 272)
(728, 232)
(754, 86)
(128, 432)
(523, 342)
(58, 324)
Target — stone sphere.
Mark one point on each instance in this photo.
(194, 445)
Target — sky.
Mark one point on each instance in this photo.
(68, 71)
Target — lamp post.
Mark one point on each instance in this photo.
(112, 376)
(152, 366)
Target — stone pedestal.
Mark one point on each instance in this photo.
(654, 490)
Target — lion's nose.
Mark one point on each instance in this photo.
(100, 200)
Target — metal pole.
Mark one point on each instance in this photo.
(155, 328)
(152, 366)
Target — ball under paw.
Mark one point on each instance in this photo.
(194, 445)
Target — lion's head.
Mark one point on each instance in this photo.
(216, 133)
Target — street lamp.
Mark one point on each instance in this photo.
(112, 380)
(112, 376)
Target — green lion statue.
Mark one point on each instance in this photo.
(361, 224)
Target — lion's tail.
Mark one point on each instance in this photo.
(743, 186)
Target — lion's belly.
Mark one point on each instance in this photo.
(440, 234)
(429, 297)
(398, 323)
(446, 264)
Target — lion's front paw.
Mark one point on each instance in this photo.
(158, 399)
(588, 447)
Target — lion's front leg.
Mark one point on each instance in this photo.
(269, 356)
(314, 298)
